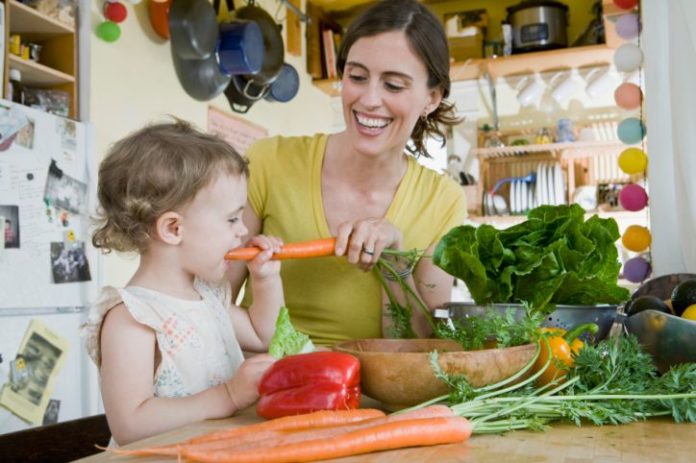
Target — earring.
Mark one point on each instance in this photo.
(424, 117)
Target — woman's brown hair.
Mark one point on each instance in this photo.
(151, 171)
(428, 40)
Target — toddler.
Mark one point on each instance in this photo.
(167, 345)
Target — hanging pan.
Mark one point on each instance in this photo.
(286, 86)
(242, 93)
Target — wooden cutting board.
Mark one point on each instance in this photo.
(658, 440)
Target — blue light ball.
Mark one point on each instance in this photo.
(631, 130)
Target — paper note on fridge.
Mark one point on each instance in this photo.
(40, 357)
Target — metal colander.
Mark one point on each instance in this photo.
(564, 316)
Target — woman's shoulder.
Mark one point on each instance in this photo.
(279, 145)
(435, 181)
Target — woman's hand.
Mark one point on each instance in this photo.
(362, 241)
(262, 266)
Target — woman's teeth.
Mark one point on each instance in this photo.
(372, 123)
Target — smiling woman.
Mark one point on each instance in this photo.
(364, 185)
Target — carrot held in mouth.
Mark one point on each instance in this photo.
(302, 250)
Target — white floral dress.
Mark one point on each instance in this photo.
(196, 339)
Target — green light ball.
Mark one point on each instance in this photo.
(108, 31)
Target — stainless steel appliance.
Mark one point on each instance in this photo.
(538, 25)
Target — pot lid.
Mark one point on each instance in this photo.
(536, 3)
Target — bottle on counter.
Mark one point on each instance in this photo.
(15, 90)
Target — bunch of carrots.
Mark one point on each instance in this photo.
(319, 436)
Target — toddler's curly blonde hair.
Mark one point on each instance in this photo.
(151, 171)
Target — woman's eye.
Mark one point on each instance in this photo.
(357, 78)
(393, 87)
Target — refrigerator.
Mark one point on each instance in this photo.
(49, 272)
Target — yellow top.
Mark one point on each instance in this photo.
(328, 298)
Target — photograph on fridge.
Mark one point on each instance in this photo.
(69, 262)
(65, 192)
(33, 372)
(10, 214)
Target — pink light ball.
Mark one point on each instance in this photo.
(628, 96)
(633, 197)
(628, 26)
(115, 12)
(626, 4)
(636, 269)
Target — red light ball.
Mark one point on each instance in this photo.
(115, 12)
(626, 4)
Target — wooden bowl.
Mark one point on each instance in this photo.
(397, 372)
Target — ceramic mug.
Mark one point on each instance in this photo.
(599, 82)
(531, 91)
(563, 86)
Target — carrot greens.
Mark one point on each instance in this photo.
(613, 382)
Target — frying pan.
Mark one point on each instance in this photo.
(272, 40)
(202, 78)
(193, 28)
(242, 93)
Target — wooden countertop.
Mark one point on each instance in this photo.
(657, 440)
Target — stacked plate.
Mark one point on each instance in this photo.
(550, 188)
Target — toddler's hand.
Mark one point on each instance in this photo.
(262, 266)
(243, 387)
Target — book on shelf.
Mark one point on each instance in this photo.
(329, 47)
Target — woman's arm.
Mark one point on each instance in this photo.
(127, 375)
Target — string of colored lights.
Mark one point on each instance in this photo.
(628, 58)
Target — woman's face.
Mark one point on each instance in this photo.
(384, 93)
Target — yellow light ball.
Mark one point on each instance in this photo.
(690, 313)
(633, 161)
(636, 238)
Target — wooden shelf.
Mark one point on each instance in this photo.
(24, 19)
(508, 220)
(524, 63)
(518, 150)
(36, 74)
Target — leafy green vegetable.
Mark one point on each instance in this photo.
(504, 330)
(286, 339)
(555, 256)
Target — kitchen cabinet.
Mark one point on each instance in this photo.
(56, 68)
(341, 11)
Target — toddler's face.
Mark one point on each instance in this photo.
(212, 225)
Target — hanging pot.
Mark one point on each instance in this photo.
(242, 93)
(193, 28)
(240, 48)
(286, 86)
(272, 40)
(159, 17)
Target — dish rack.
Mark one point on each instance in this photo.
(559, 170)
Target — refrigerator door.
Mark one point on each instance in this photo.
(75, 388)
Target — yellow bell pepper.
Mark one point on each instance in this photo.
(561, 348)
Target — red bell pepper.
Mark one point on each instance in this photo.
(306, 383)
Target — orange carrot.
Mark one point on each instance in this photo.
(398, 434)
(303, 250)
(287, 436)
(320, 419)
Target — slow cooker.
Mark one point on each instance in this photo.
(538, 25)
